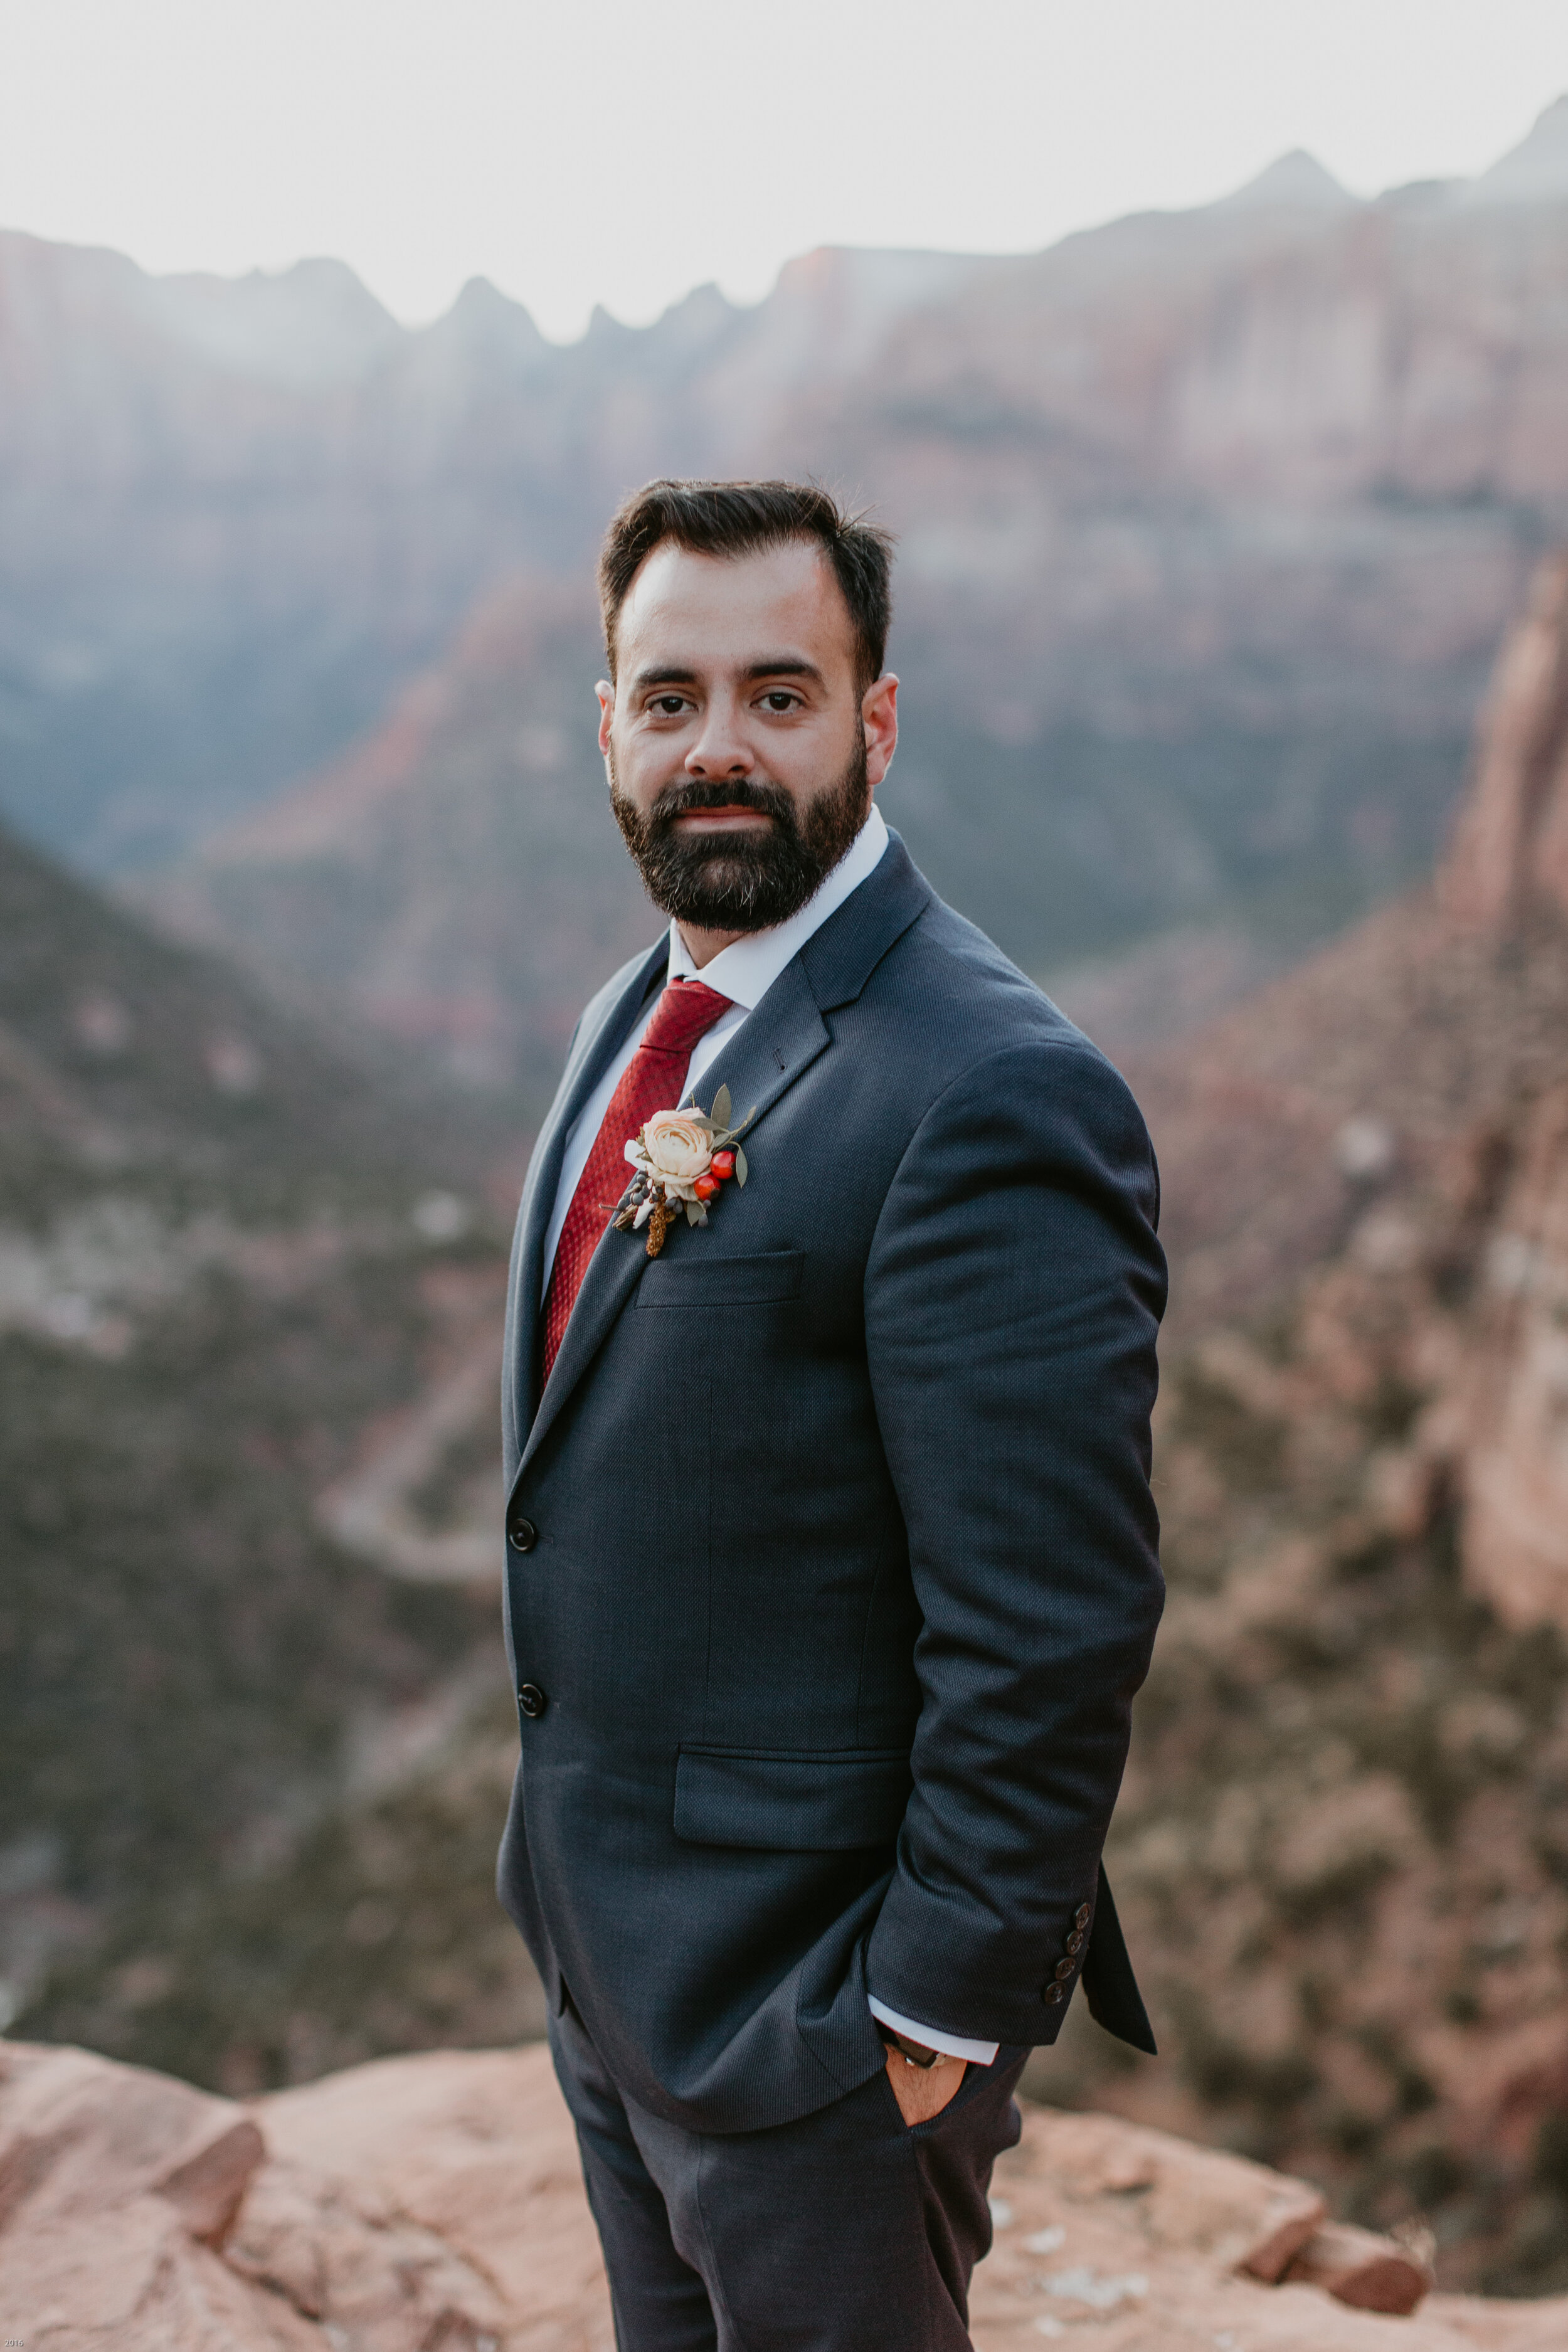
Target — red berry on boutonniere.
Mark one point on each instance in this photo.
(723, 1165)
(705, 1187)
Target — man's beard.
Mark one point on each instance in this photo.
(742, 881)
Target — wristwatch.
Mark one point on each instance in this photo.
(913, 2053)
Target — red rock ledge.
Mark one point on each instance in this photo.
(433, 2204)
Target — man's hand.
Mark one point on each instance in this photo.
(922, 2092)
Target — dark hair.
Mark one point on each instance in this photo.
(738, 519)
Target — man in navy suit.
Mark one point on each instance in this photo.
(831, 1566)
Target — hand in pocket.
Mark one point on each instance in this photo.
(922, 2092)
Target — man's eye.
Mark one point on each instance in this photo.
(781, 699)
(669, 705)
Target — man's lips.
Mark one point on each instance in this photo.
(723, 820)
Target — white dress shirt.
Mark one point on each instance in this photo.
(744, 972)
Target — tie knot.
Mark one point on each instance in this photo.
(682, 1015)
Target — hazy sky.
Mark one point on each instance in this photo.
(623, 151)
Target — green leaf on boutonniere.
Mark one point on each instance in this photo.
(740, 1165)
(720, 1114)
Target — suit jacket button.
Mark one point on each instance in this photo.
(531, 1700)
(1081, 1915)
(522, 1533)
(1064, 1968)
(1075, 1942)
(1055, 1992)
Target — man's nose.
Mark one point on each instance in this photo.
(721, 748)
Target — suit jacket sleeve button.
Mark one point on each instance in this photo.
(1064, 1968)
(522, 1533)
(531, 1700)
(1053, 1993)
(1081, 1915)
(1075, 1942)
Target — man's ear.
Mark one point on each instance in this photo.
(606, 694)
(879, 717)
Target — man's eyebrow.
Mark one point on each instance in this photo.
(677, 674)
(785, 665)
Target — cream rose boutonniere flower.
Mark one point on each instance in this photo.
(678, 1152)
(681, 1159)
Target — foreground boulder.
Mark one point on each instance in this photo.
(434, 2204)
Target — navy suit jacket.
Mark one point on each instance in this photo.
(832, 1563)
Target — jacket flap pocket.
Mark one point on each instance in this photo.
(793, 1801)
(691, 1278)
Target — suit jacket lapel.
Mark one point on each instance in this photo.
(578, 1081)
(767, 1053)
(781, 1037)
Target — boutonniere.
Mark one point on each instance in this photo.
(681, 1158)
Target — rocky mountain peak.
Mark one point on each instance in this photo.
(308, 328)
(489, 322)
(1536, 170)
(1510, 852)
(1297, 180)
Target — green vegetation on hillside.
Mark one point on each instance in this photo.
(216, 1275)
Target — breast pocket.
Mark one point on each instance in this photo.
(690, 1278)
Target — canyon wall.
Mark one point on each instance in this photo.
(1210, 523)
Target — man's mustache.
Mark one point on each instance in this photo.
(699, 793)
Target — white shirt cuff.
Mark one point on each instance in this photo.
(951, 2046)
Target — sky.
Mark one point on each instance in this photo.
(622, 152)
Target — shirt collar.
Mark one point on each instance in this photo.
(745, 972)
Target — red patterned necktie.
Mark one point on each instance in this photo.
(654, 1079)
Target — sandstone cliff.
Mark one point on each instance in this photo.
(1510, 852)
(1415, 1071)
(1339, 1848)
(1514, 1445)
